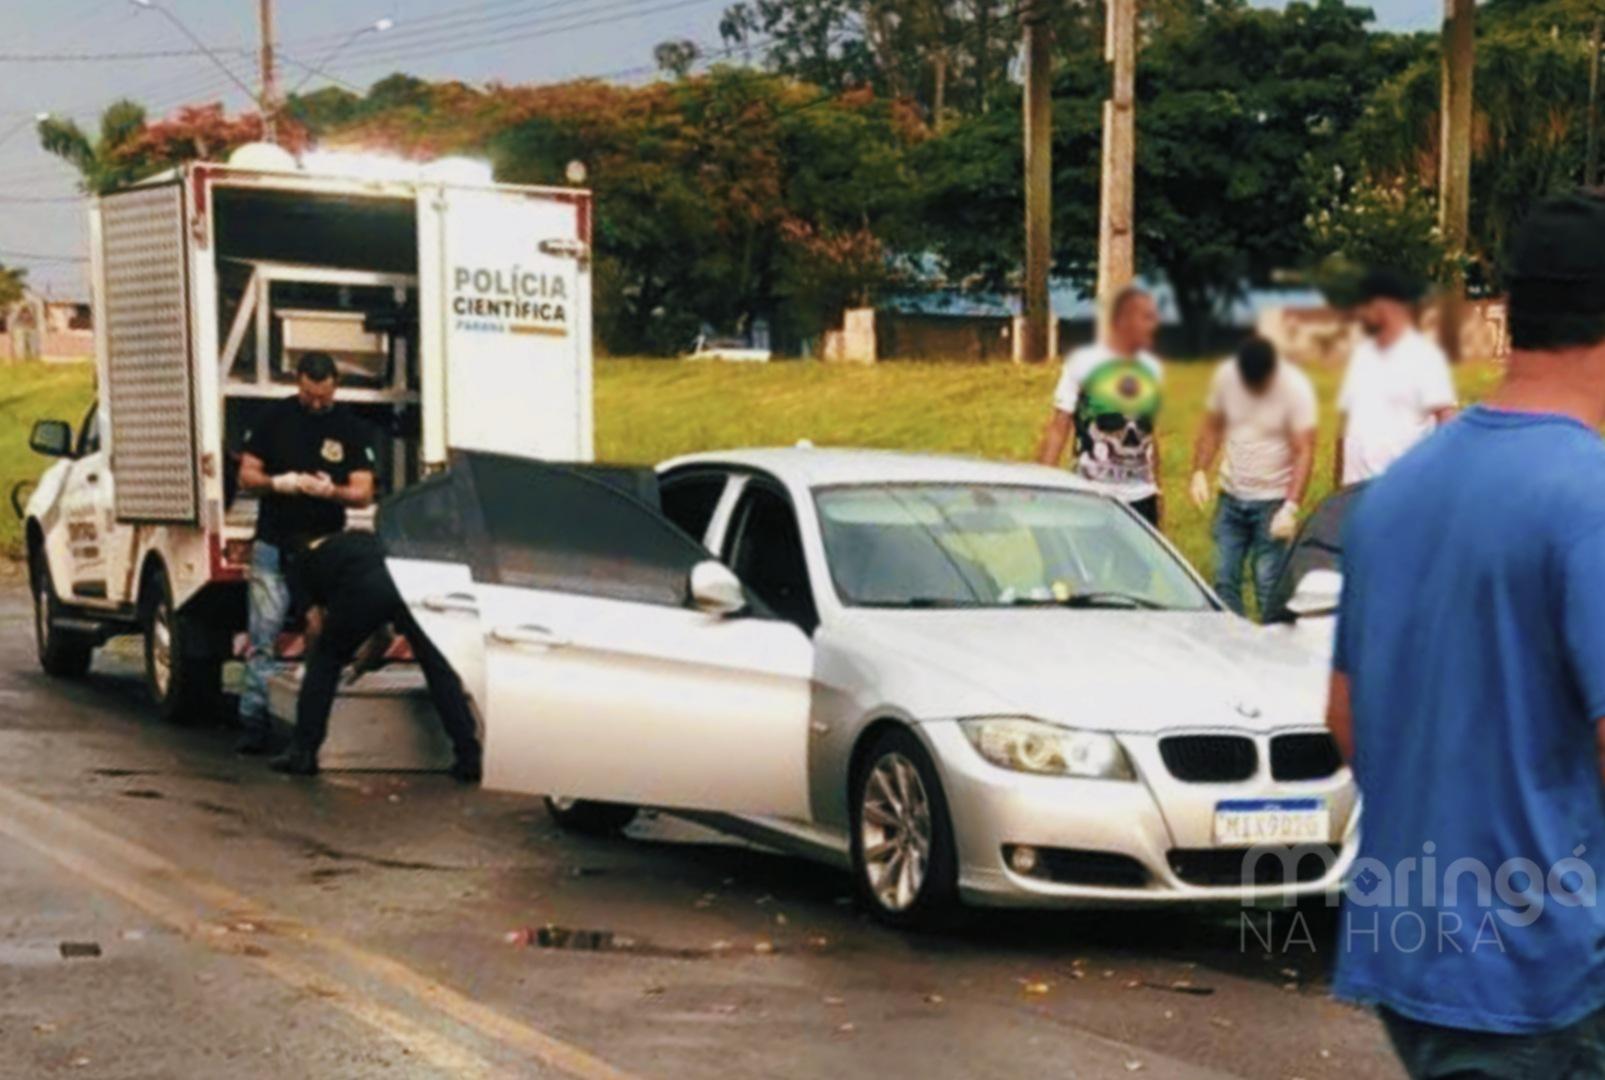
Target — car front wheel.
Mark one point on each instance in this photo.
(904, 863)
(62, 653)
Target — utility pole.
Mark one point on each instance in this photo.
(1035, 336)
(1591, 160)
(269, 102)
(1454, 159)
(1116, 258)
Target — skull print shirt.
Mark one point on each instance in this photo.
(1115, 402)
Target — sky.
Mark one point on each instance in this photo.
(42, 222)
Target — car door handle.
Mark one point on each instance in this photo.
(452, 603)
(529, 636)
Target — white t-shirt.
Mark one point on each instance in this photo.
(1078, 366)
(1388, 398)
(1260, 428)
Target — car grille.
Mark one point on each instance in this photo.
(1309, 756)
(1224, 866)
(1072, 866)
(1209, 759)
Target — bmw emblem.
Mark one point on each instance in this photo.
(1247, 711)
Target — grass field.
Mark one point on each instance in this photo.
(648, 410)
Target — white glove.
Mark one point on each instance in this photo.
(287, 483)
(316, 486)
(1285, 524)
(1200, 490)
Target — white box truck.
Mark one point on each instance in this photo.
(457, 310)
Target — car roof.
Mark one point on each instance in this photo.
(817, 467)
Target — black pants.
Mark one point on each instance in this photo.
(1429, 1052)
(358, 607)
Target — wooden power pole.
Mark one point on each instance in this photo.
(1454, 158)
(1116, 256)
(269, 103)
(1035, 336)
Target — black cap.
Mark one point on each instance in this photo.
(1386, 283)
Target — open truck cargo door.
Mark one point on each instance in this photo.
(598, 678)
(505, 335)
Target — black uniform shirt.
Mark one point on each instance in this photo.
(291, 438)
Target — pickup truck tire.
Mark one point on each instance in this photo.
(587, 818)
(62, 653)
(185, 687)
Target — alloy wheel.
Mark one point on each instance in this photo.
(895, 831)
(161, 648)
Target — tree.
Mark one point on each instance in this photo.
(1241, 111)
(131, 148)
(13, 282)
(677, 58)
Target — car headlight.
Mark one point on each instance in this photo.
(1034, 746)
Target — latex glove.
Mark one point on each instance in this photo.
(287, 483)
(1285, 524)
(1200, 490)
(317, 486)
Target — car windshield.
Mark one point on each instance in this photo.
(963, 545)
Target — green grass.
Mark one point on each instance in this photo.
(29, 392)
(648, 410)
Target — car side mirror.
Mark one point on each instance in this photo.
(715, 590)
(52, 438)
(1317, 594)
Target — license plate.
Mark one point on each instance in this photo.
(1247, 822)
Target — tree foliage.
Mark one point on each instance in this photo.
(13, 282)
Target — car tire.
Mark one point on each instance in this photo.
(905, 863)
(63, 654)
(585, 818)
(186, 688)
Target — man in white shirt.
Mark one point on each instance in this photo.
(1398, 387)
(1108, 397)
(1264, 410)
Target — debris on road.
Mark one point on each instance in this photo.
(1181, 986)
(79, 950)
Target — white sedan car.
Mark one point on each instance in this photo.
(962, 681)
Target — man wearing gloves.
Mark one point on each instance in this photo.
(1264, 411)
(307, 460)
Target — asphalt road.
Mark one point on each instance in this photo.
(170, 910)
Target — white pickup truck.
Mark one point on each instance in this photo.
(457, 310)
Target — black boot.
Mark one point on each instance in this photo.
(256, 742)
(295, 762)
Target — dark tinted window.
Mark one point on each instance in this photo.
(89, 434)
(766, 553)
(579, 530)
(426, 521)
(689, 501)
(1318, 546)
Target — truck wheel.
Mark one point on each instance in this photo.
(588, 818)
(62, 653)
(184, 687)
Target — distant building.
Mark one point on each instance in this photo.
(41, 327)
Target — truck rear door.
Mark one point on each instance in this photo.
(505, 322)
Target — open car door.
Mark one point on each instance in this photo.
(600, 679)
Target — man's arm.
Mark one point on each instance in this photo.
(1207, 446)
(357, 491)
(253, 474)
(1340, 716)
(1054, 437)
(1303, 444)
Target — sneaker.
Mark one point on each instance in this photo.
(256, 742)
(295, 763)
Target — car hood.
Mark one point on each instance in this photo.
(1107, 670)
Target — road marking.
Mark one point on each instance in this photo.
(190, 904)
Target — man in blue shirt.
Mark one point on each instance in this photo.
(1468, 692)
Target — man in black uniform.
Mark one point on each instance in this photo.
(344, 576)
(307, 460)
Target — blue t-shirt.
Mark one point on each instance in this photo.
(1472, 629)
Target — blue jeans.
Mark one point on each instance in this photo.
(1429, 1052)
(270, 607)
(1242, 533)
